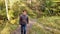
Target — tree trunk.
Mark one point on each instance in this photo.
(6, 4)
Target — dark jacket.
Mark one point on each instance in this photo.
(23, 19)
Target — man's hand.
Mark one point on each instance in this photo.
(27, 24)
(19, 25)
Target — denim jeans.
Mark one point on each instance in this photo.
(23, 29)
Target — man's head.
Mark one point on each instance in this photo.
(24, 12)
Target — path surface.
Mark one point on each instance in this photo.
(29, 26)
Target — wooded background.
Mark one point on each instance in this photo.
(46, 11)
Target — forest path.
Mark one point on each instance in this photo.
(29, 26)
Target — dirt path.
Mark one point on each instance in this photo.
(18, 30)
(31, 22)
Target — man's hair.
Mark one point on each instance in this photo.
(24, 10)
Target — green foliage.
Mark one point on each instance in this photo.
(52, 7)
(20, 6)
(2, 24)
(52, 22)
(8, 28)
(39, 30)
(37, 8)
(47, 25)
(11, 13)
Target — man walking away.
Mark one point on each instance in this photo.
(23, 21)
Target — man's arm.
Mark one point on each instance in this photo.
(27, 20)
(20, 19)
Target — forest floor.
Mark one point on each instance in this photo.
(29, 26)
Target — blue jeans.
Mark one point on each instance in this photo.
(23, 29)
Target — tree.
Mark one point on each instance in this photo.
(6, 4)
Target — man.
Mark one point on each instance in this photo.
(23, 21)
